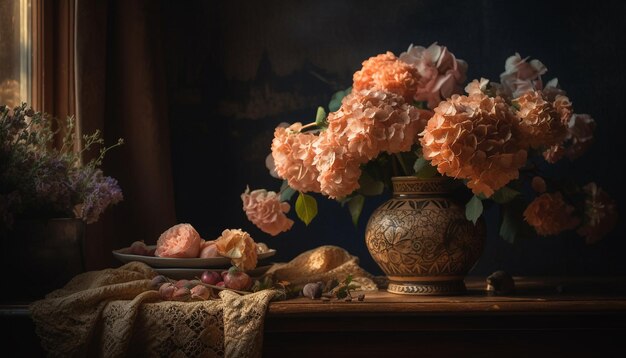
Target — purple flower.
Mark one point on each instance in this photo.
(99, 192)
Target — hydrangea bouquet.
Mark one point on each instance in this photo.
(407, 115)
(39, 180)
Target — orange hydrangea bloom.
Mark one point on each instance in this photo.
(475, 137)
(373, 121)
(339, 169)
(563, 108)
(293, 157)
(539, 120)
(550, 215)
(386, 72)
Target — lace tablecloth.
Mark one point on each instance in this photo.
(114, 312)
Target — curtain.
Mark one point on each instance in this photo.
(121, 90)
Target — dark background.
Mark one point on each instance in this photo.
(237, 69)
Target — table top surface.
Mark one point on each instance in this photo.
(532, 295)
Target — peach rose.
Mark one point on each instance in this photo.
(550, 215)
(239, 247)
(265, 210)
(179, 241)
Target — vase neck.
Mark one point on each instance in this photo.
(410, 186)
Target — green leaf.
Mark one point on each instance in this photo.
(370, 186)
(513, 226)
(504, 195)
(286, 192)
(420, 104)
(355, 205)
(342, 293)
(427, 171)
(335, 101)
(306, 208)
(473, 209)
(343, 200)
(419, 164)
(320, 117)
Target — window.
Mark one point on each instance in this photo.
(15, 52)
(36, 55)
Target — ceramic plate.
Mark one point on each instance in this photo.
(191, 273)
(161, 262)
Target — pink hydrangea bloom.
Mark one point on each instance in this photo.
(520, 76)
(265, 210)
(179, 241)
(579, 134)
(441, 73)
(293, 157)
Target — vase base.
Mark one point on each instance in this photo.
(455, 287)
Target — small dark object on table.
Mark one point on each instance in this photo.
(500, 283)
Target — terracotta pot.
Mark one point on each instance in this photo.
(39, 256)
(421, 239)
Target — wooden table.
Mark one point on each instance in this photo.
(545, 317)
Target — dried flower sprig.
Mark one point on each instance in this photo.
(42, 179)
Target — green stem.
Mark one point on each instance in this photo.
(394, 167)
(402, 164)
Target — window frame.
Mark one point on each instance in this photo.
(53, 49)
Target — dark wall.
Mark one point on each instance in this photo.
(237, 69)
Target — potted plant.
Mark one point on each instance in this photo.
(47, 195)
(407, 121)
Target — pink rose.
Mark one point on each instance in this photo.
(265, 210)
(179, 241)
